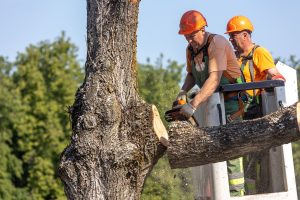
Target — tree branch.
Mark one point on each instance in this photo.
(192, 146)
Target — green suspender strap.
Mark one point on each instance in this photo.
(201, 76)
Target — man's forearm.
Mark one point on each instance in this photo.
(274, 74)
(208, 89)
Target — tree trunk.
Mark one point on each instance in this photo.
(114, 143)
(191, 146)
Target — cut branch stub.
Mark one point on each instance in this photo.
(159, 128)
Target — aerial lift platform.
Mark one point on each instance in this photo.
(211, 181)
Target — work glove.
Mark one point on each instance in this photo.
(187, 110)
(181, 95)
(174, 115)
(181, 113)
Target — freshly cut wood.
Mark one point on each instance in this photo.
(159, 128)
(192, 146)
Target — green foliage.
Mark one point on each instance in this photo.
(159, 86)
(10, 165)
(35, 93)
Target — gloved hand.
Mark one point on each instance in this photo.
(180, 113)
(182, 96)
(187, 110)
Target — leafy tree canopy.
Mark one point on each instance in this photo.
(35, 92)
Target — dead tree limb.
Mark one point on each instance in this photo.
(191, 146)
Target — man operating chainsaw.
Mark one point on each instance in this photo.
(210, 62)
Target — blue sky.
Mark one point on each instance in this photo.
(29, 22)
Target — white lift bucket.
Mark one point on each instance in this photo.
(211, 181)
(210, 178)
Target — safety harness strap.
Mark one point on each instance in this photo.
(249, 58)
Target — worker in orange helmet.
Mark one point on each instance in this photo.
(211, 62)
(256, 64)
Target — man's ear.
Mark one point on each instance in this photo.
(245, 34)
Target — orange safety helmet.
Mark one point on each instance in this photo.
(239, 23)
(191, 21)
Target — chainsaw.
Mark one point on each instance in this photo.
(175, 115)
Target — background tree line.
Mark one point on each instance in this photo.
(36, 90)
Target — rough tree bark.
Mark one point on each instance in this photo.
(114, 143)
(191, 146)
